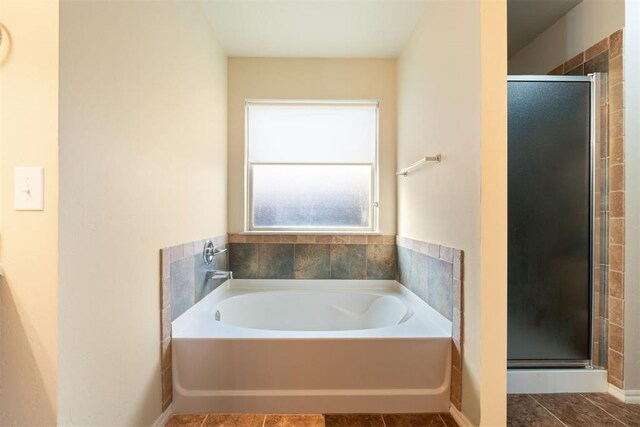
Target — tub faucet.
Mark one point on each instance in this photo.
(219, 274)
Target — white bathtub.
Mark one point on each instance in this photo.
(311, 346)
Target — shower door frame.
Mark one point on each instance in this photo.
(596, 81)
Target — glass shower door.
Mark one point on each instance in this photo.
(550, 221)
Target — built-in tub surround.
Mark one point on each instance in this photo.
(606, 56)
(351, 257)
(184, 283)
(435, 274)
(289, 346)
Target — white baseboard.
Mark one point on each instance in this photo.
(626, 396)
(460, 418)
(556, 381)
(164, 417)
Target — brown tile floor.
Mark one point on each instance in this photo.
(580, 410)
(337, 420)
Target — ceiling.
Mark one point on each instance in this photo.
(529, 18)
(349, 28)
(313, 28)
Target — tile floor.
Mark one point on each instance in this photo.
(580, 410)
(338, 420)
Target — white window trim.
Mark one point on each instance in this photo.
(374, 209)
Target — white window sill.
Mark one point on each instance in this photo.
(343, 233)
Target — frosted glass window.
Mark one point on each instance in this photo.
(311, 165)
(333, 196)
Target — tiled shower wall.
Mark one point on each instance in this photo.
(435, 273)
(183, 284)
(606, 56)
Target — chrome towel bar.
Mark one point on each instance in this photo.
(437, 159)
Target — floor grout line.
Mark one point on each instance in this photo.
(442, 419)
(204, 420)
(383, 422)
(264, 420)
(545, 408)
(603, 410)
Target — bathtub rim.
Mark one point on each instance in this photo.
(197, 322)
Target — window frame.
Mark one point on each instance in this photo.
(248, 171)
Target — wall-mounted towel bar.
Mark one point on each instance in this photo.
(437, 158)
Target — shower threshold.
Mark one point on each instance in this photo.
(545, 380)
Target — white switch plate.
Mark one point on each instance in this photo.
(29, 189)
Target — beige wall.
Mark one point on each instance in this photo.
(273, 78)
(28, 240)
(441, 110)
(142, 166)
(585, 25)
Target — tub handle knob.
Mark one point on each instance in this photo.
(209, 251)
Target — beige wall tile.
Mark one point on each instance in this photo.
(616, 284)
(177, 252)
(616, 338)
(165, 259)
(616, 204)
(615, 44)
(616, 231)
(616, 124)
(389, 240)
(446, 254)
(558, 71)
(166, 291)
(339, 239)
(288, 238)
(166, 322)
(198, 246)
(271, 238)
(574, 62)
(236, 238)
(362, 240)
(615, 367)
(252, 238)
(616, 177)
(187, 249)
(458, 264)
(616, 310)
(616, 150)
(324, 238)
(615, 71)
(166, 354)
(379, 239)
(457, 326)
(616, 102)
(616, 257)
(306, 238)
(456, 354)
(596, 49)
(457, 298)
(456, 386)
(433, 250)
(167, 387)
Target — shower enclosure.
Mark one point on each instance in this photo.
(557, 219)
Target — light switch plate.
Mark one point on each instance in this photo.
(29, 189)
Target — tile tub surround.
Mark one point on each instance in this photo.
(341, 257)
(435, 273)
(607, 56)
(183, 283)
